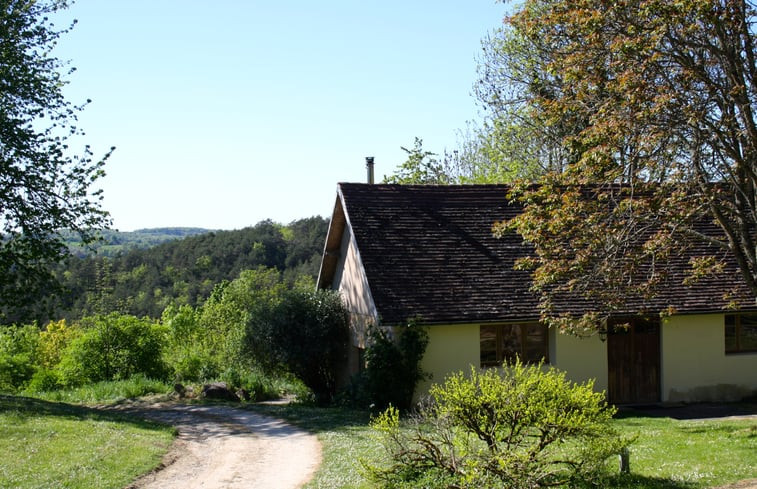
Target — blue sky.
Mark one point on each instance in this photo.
(226, 113)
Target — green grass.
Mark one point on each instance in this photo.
(673, 454)
(106, 391)
(668, 454)
(55, 445)
(110, 392)
(52, 444)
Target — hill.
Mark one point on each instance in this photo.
(113, 242)
(143, 280)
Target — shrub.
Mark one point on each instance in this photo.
(114, 347)
(393, 368)
(519, 427)
(259, 386)
(43, 380)
(54, 340)
(305, 333)
(19, 355)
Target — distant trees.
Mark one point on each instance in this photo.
(42, 187)
(145, 281)
(421, 167)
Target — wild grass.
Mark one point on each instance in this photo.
(668, 454)
(51, 445)
(106, 391)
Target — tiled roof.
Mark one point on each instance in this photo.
(429, 252)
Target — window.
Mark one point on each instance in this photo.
(740, 333)
(503, 342)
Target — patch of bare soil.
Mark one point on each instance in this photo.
(219, 447)
(745, 484)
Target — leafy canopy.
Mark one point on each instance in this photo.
(42, 188)
(653, 103)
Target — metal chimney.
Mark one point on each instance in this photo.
(369, 167)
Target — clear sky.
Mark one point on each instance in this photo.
(229, 112)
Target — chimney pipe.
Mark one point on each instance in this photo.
(369, 167)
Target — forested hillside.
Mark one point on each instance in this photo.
(112, 242)
(143, 282)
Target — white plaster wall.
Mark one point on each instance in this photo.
(694, 366)
(582, 358)
(451, 349)
(454, 348)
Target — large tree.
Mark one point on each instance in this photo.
(657, 101)
(43, 187)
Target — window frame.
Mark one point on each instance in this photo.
(737, 334)
(501, 353)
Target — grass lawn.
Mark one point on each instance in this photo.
(673, 454)
(669, 454)
(52, 445)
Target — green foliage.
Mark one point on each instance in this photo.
(305, 333)
(623, 85)
(114, 347)
(104, 391)
(420, 168)
(111, 242)
(54, 340)
(204, 342)
(261, 387)
(393, 366)
(188, 353)
(143, 282)
(44, 379)
(523, 426)
(19, 353)
(43, 187)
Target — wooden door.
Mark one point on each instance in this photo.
(633, 360)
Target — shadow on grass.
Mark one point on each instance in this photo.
(27, 407)
(314, 419)
(633, 481)
(689, 411)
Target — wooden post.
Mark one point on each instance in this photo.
(625, 461)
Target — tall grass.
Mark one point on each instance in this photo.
(106, 391)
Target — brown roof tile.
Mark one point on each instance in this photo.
(429, 252)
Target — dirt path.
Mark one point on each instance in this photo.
(220, 447)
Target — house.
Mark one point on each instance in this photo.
(410, 251)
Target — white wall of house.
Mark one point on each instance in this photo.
(582, 358)
(454, 348)
(451, 348)
(694, 365)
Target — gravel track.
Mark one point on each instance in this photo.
(220, 447)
